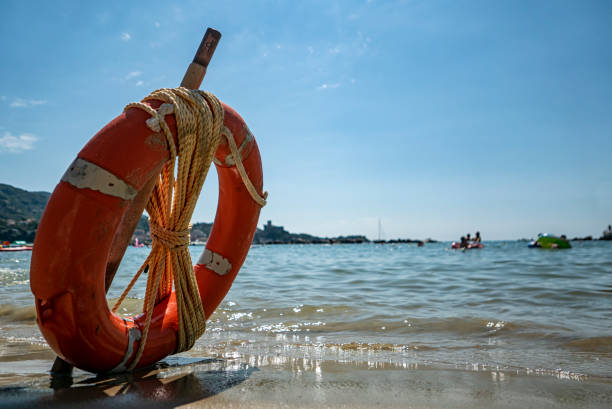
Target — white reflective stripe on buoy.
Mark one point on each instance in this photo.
(86, 175)
(134, 335)
(215, 262)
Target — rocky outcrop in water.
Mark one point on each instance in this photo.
(272, 234)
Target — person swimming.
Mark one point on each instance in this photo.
(477, 238)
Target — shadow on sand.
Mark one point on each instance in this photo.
(170, 383)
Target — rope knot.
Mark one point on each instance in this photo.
(169, 239)
(154, 123)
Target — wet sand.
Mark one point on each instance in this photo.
(189, 381)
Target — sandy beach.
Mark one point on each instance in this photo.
(189, 381)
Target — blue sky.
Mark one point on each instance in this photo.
(437, 118)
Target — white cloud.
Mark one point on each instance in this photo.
(15, 144)
(133, 74)
(19, 103)
(157, 25)
(139, 83)
(328, 86)
(125, 36)
(25, 103)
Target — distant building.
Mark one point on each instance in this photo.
(272, 230)
(607, 234)
(271, 234)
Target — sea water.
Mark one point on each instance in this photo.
(505, 307)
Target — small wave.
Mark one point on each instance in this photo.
(129, 307)
(595, 344)
(17, 314)
(320, 320)
(232, 309)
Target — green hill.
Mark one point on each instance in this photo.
(20, 212)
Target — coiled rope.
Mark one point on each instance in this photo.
(199, 121)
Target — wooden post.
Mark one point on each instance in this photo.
(197, 69)
(193, 79)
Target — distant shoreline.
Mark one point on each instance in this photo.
(20, 213)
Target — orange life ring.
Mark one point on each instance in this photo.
(83, 215)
